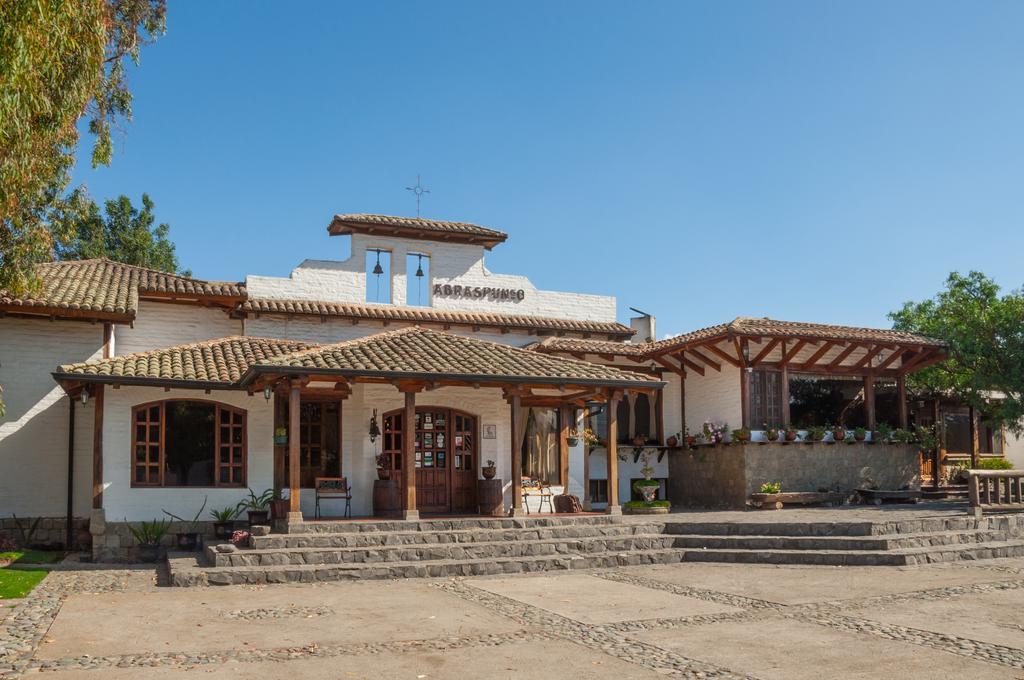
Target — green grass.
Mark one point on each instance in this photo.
(30, 556)
(17, 583)
(652, 504)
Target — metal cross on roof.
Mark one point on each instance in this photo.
(418, 191)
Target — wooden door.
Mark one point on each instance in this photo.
(463, 462)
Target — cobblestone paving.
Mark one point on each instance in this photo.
(26, 627)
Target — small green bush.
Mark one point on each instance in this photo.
(995, 464)
(652, 504)
(771, 487)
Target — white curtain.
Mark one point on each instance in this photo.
(541, 458)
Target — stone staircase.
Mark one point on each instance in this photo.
(327, 551)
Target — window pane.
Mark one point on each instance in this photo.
(957, 426)
(189, 449)
(815, 400)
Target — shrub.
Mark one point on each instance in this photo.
(995, 464)
(652, 504)
(771, 487)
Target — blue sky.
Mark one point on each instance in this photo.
(816, 161)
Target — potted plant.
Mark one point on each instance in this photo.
(838, 433)
(815, 433)
(791, 433)
(882, 433)
(639, 441)
(673, 440)
(573, 438)
(188, 537)
(224, 522)
(279, 506)
(489, 470)
(741, 435)
(257, 507)
(383, 466)
(714, 433)
(647, 488)
(772, 434)
(860, 434)
(148, 536)
(590, 439)
(280, 436)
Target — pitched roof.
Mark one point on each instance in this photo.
(214, 363)
(420, 353)
(105, 289)
(430, 315)
(415, 227)
(740, 326)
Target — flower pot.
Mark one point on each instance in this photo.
(383, 474)
(188, 541)
(691, 441)
(649, 493)
(279, 508)
(672, 442)
(488, 471)
(258, 517)
(639, 442)
(859, 436)
(572, 441)
(838, 435)
(280, 440)
(222, 530)
(791, 435)
(149, 552)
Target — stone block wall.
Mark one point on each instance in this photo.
(725, 476)
(50, 531)
(115, 543)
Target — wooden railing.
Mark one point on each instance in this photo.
(995, 490)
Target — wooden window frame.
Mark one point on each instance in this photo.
(243, 467)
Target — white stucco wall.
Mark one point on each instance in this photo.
(162, 324)
(121, 501)
(34, 432)
(1013, 450)
(454, 264)
(714, 396)
(627, 469)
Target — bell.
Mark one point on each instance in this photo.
(377, 269)
(419, 267)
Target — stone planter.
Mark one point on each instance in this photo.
(259, 517)
(149, 553)
(223, 530)
(187, 541)
(645, 510)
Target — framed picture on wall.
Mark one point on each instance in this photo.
(490, 431)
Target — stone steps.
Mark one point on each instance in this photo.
(904, 557)
(440, 551)
(875, 542)
(185, 571)
(847, 529)
(450, 524)
(433, 536)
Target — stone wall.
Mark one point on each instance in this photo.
(50, 531)
(115, 542)
(725, 476)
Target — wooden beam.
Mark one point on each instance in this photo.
(706, 359)
(739, 351)
(819, 353)
(841, 357)
(869, 400)
(675, 368)
(612, 451)
(765, 351)
(866, 359)
(909, 365)
(786, 358)
(719, 352)
(97, 449)
(294, 471)
(691, 364)
(516, 456)
(901, 390)
(896, 354)
(410, 511)
(108, 340)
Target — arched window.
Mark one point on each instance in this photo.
(181, 442)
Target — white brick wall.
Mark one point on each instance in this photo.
(121, 501)
(162, 324)
(628, 470)
(345, 281)
(34, 433)
(714, 396)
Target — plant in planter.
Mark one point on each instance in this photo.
(573, 438)
(188, 538)
(713, 433)
(257, 507)
(771, 434)
(647, 488)
(224, 522)
(771, 487)
(741, 435)
(280, 436)
(672, 441)
(816, 433)
(279, 506)
(882, 433)
(639, 441)
(241, 537)
(489, 470)
(790, 432)
(147, 536)
(838, 433)
(590, 439)
(927, 437)
(901, 436)
(860, 434)
(383, 466)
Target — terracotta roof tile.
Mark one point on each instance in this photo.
(108, 288)
(428, 315)
(222, 361)
(417, 227)
(421, 353)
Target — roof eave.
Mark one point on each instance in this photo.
(141, 381)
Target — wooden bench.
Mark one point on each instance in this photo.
(775, 501)
(995, 490)
(333, 488)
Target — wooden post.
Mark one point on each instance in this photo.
(69, 529)
(108, 340)
(410, 511)
(744, 388)
(869, 399)
(293, 448)
(97, 449)
(974, 438)
(784, 377)
(901, 389)
(586, 465)
(516, 457)
(611, 439)
(937, 453)
(565, 413)
(682, 408)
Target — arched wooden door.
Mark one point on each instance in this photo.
(446, 457)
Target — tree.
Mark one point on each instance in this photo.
(60, 60)
(124, 234)
(985, 334)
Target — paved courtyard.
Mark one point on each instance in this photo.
(963, 620)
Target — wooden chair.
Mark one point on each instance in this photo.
(333, 488)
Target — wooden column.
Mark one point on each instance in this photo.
(564, 414)
(975, 449)
(69, 528)
(293, 447)
(937, 453)
(744, 388)
(784, 377)
(280, 420)
(869, 399)
(586, 465)
(612, 438)
(682, 408)
(410, 511)
(516, 457)
(97, 449)
(901, 389)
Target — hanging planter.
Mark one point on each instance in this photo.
(281, 436)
